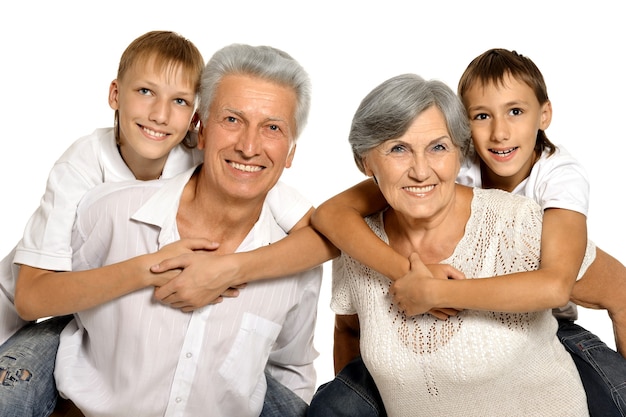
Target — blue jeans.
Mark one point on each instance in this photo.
(27, 385)
(280, 401)
(601, 369)
(352, 393)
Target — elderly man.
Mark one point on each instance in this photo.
(135, 356)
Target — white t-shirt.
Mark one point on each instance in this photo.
(137, 357)
(557, 181)
(477, 363)
(90, 161)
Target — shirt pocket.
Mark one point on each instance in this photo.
(244, 366)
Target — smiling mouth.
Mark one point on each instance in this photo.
(420, 190)
(504, 152)
(244, 167)
(154, 132)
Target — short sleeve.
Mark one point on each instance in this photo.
(559, 181)
(287, 205)
(341, 300)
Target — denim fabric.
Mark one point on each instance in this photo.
(27, 385)
(280, 401)
(352, 393)
(601, 369)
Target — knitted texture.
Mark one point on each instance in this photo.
(477, 363)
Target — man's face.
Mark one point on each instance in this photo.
(248, 138)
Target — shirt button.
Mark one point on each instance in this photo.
(178, 399)
(189, 355)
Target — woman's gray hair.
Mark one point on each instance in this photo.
(389, 109)
(265, 62)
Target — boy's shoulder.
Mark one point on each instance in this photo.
(101, 138)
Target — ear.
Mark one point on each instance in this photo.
(366, 168)
(546, 115)
(114, 92)
(201, 132)
(292, 153)
(195, 121)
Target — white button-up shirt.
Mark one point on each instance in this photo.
(137, 357)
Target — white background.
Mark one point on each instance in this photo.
(59, 57)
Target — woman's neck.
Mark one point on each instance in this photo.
(436, 238)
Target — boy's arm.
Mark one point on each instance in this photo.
(340, 219)
(42, 293)
(603, 286)
(195, 287)
(548, 287)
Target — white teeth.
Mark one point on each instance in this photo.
(502, 153)
(153, 133)
(419, 190)
(245, 168)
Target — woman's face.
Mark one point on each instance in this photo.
(417, 171)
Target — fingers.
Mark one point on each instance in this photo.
(176, 300)
(179, 262)
(199, 244)
(231, 293)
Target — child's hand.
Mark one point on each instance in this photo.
(181, 247)
(411, 292)
(205, 278)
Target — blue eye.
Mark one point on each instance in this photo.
(397, 148)
(181, 101)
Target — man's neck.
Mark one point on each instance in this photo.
(205, 214)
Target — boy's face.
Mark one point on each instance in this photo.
(505, 120)
(155, 111)
(248, 138)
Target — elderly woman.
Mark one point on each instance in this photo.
(499, 355)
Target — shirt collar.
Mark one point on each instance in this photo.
(161, 208)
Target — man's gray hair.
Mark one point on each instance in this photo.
(265, 62)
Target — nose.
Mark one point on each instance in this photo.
(500, 129)
(160, 111)
(249, 143)
(420, 167)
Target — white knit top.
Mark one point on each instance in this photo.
(478, 363)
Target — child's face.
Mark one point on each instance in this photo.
(505, 120)
(155, 111)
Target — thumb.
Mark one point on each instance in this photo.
(201, 244)
(415, 261)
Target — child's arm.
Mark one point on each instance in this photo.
(42, 293)
(603, 286)
(195, 287)
(563, 243)
(340, 219)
